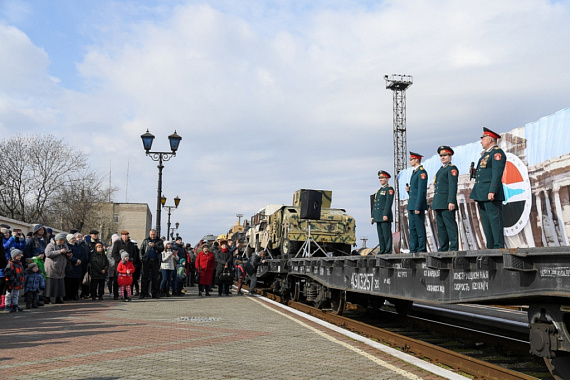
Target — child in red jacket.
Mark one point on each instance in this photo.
(125, 271)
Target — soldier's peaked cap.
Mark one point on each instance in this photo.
(490, 133)
(445, 149)
(415, 155)
(384, 174)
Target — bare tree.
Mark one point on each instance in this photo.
(76, 203)
(45, 180)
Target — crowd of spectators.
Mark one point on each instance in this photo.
(48, 268)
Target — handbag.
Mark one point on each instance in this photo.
(226, 276)
(198, 275)
(86, 279)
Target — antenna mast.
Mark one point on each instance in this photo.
(399, 84)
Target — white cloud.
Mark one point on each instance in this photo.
(23, 66)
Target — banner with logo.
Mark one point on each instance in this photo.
(536, 183)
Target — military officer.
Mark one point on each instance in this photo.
(488, 189)
(417, 204)
(445, 201)
(382, 212)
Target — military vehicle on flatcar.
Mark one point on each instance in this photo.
(238, 231)
(281, 231)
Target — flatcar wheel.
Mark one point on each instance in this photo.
(403, 307)
(338, 301)
(559, 367)
(295, 292)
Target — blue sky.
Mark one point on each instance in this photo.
(270, 97)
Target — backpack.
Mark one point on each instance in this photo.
(181, 273)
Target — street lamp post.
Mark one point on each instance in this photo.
(177, 225)
(147, 140)
(169, 208)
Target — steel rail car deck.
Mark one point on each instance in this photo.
(538, 277)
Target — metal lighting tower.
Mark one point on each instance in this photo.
(399, 84)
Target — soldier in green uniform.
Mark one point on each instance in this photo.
(445, 201)
(382, 212)
(488, 189)
(417, 204)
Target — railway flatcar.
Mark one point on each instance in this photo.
(537, 277)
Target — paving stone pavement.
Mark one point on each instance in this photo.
(187, 337)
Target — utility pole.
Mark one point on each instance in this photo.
(399, 84)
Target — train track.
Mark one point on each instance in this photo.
(467, 351)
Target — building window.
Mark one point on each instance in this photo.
(115, 218)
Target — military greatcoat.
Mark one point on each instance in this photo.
(382, 206)
(489, 174)
(445, 184)
(383, 201)
(417, 201)
(488, 180)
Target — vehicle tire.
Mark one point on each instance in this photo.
(289, 248)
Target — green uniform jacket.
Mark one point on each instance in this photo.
(489, 174)
(418, 190)
(383, 204)
(445, 187)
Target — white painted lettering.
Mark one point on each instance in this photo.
(436, 288)
(431, 273)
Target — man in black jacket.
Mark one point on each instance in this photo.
(92, 240)
(123, 243)
(250, 267)
(151, 256)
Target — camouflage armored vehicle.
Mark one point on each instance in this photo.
(280, 230)
(238, 231)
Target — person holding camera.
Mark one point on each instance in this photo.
(15, 240)
(57, 255)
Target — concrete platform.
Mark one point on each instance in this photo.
(187, 337)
